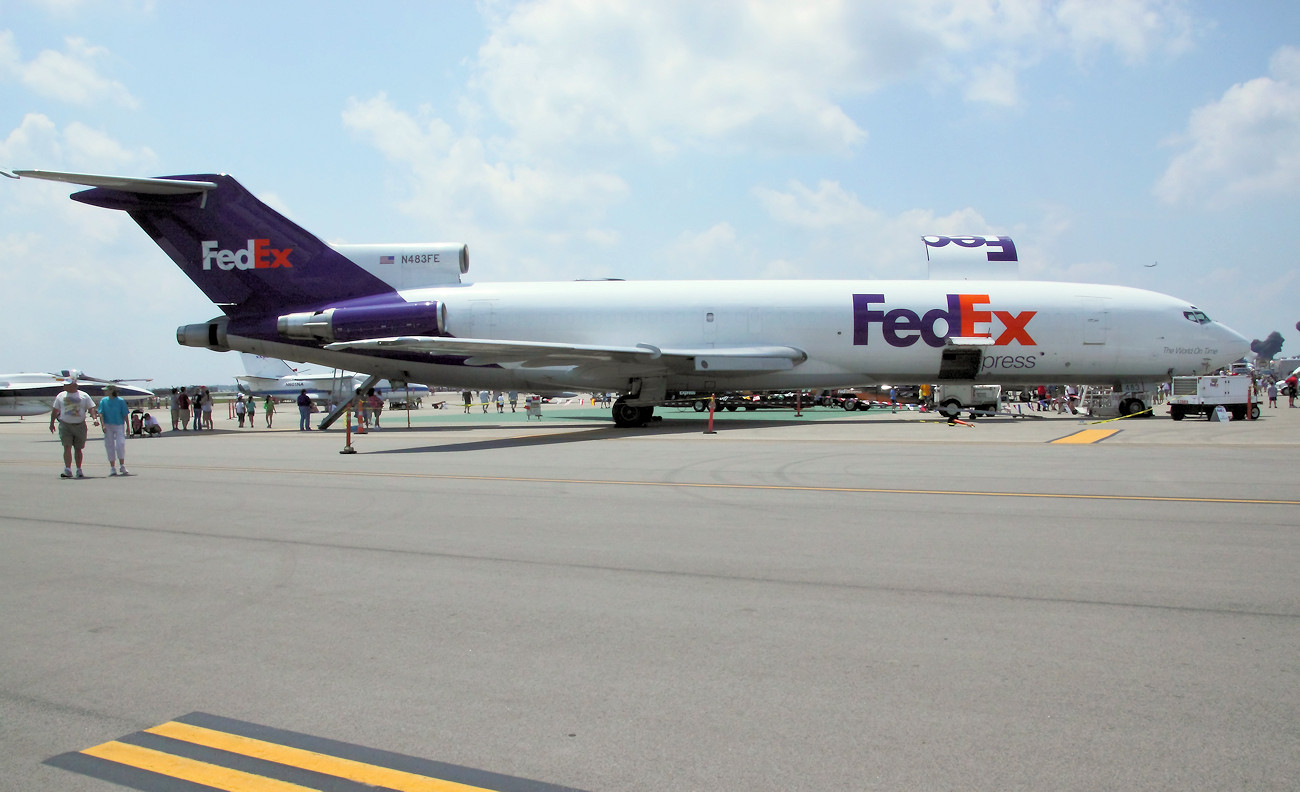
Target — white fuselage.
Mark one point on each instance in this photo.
(852, 332)
(33, 393)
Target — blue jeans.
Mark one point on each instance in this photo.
(304, 417)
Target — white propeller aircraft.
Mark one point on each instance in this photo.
(402, 312)
(33, 393)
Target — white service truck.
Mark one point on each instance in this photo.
(953, 397)
(1201, 395)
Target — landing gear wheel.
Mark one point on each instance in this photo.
(627, 416)
(1131, 407)
(950, 408)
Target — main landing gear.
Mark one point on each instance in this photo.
(627, 416)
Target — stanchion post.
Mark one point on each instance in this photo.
(347, 448)
(712, 401)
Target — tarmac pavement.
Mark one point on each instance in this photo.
(837, 601)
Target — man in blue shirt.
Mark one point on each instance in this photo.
(113, 411)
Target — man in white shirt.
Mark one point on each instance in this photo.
(71, 408)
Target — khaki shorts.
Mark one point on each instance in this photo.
(72, 435)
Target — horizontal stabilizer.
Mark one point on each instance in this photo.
(131, 184)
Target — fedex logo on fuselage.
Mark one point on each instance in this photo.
(964, 317)
(258, 255)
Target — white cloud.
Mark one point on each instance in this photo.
(34, 139)
(456, 179)
(1133, 28)
(853, 240)
(38, 142)
(830, 205)
(668, 75)
(10, 57)
(710, 253)
(994, 84)
(1244, 146)
(753, 75)
(71, 76)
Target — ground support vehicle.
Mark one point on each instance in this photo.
(951, 398)
(1130, 399)
(398, 403)
(1201, 395)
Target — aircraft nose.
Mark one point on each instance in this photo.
(1230, 339)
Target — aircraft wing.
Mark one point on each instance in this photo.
(538, 354)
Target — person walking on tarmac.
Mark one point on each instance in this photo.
(183, 410)
(207, 408)
(113, 411)
(70, 410)
(304, 411)
(197, 404)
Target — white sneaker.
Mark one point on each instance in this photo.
(125, 472)
(112, 472)
(80, 474)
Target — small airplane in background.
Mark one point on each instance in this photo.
(33, 393)
(276, 378)
(402, 312)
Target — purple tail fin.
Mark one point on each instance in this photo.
(246, 257)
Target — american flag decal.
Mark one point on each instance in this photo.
(386, 259)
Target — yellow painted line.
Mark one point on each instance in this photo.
(1086, 436)
(360, 772)
(1124, 417)
(189, 769)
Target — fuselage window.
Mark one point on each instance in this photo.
(1197, 316)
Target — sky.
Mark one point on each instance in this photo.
(1147, 143)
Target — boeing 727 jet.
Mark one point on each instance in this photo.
(402, 312)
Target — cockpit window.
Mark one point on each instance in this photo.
(1197, 316)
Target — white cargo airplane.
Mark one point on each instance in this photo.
(33, 393)
(402, 312)
(277, 379)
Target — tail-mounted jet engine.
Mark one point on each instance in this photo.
(356, 323)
